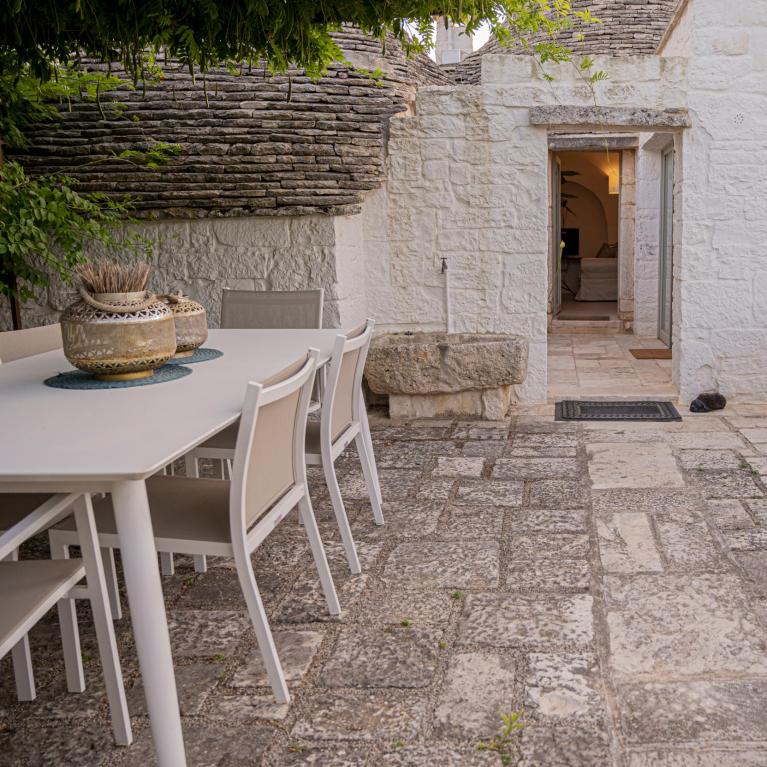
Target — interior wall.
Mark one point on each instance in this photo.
(588, 216)
(592, 168)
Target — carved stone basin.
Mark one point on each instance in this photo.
(435, 374)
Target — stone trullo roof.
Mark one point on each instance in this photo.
(251, 148)
(627, 28)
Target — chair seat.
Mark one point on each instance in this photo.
(31, 587)
(15, 506)
(226, 439)
(182, 509)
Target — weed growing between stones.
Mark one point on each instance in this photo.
(505, 742)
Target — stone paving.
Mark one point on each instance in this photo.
(609, 581)
(596, 365)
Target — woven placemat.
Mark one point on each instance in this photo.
(200, 355)
(77, 379)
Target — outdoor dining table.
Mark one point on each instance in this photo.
(112, 441)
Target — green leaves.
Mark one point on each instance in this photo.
(205, 33)
(46, 226)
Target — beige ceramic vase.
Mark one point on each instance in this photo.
(118, 336)
(191, 321)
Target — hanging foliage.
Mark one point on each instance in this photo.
(280, 33)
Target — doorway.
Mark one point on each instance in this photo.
(666, 250)
(585, 222)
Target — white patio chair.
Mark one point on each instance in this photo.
(343, 419)
(262, 310)
(28, 589)
(16, 345)
(231, 519)
(271, 309)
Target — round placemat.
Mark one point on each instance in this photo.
(200, 355)
(77, 379)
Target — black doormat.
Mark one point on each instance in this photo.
(634, 410)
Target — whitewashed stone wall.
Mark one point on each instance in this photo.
(469, 188)
(720, 256)
(203, 256)
(468, 181)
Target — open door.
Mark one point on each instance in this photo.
(556, 235)
(666, 246)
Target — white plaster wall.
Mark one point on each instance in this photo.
(201, 257)
(720, 256)
(350, 278)
(467, 182)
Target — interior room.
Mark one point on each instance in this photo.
(590, 193)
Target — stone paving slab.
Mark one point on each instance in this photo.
(400, 656)
(478, 687)
(627, 543)
(365, 715)
(706, 620)
(702, 712)
(458, 564)
(563, 686)
(629, 465)
(490, 493)
(697, 758)
(535, 468)
(541, 623)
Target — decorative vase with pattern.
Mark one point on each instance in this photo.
(191, 321)
(118, 336)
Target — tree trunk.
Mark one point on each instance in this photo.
(15, 303)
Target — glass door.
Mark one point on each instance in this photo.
(666, 247)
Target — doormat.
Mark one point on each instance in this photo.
(636, 410)
(584, 317)
(651, 354)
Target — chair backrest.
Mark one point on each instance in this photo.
(17, 344)
(343, 388)
(272, 309)
(269, 455)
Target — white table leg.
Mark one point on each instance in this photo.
(150, 625)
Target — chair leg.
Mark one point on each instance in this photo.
(193, 470)
(368, 464)
(110, 574)
(70, 634)
(102, 619)
(22, 659)
(318, 552)
(369, 445)
(261, 626)
(166, 563)
(22, 670)
(341, 518)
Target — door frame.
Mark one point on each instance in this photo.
(556, 235)
(666, 247)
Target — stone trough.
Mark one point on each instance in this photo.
(428, 375)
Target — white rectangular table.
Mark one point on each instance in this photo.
(112, 441)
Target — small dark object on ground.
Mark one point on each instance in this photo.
(707, 402)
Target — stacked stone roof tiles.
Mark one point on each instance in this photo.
(627, 28)
(251, 148)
